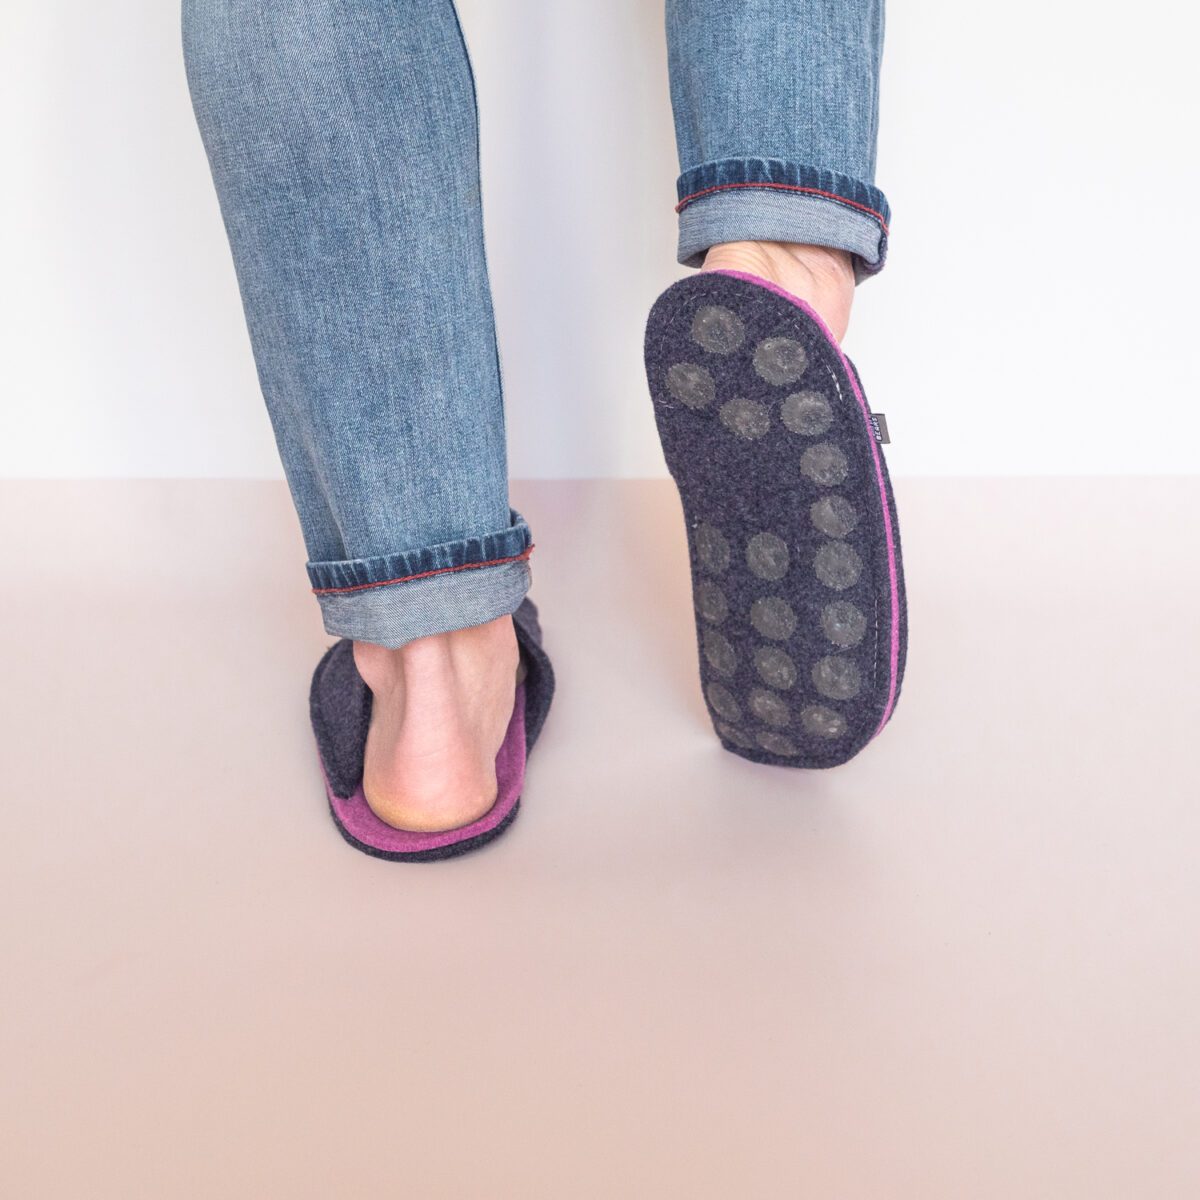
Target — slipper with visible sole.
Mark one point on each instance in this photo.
(340, 707)
(792, 532)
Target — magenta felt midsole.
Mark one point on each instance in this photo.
(356, 818)
(889, 531)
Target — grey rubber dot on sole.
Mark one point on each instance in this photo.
(718, 329)
(732, 734)
(836, 677)
(780, 360)
(691, 384)
(767, 556)
(833, 516)
(719, 653)
(843, 622)
(769, 708)
(711, 602)
(747, 418)
(806, 413)
(825, 464)
(724, 702)
(777, 743)
(775, 668)
(773, 617)
(822, 722)
(712, 548)
(838, 565)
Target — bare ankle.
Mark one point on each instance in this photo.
(821, 275)
(437, 656)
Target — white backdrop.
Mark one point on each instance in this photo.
(1034, 317)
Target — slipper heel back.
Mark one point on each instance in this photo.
(793, 539)
(340, 710)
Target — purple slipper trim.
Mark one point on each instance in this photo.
(887, 516)
(360, 823)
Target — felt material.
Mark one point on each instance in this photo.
(340, 708)
(793, 537)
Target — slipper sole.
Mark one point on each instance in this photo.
(793, 538)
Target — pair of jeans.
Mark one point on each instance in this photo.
(343, 141)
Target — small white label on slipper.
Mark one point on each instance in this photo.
(880, 429)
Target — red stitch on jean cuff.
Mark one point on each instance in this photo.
(786, 187)
(491, 562)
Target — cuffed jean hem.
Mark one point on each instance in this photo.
(391, 599)
(767, 199)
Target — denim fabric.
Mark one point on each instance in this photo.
(776, 107)
(343, 141)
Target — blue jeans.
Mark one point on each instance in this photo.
(343, 141)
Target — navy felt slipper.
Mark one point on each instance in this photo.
(340, 707)
(792, 532)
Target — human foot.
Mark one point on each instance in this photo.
(822, 276)
(440, 709)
